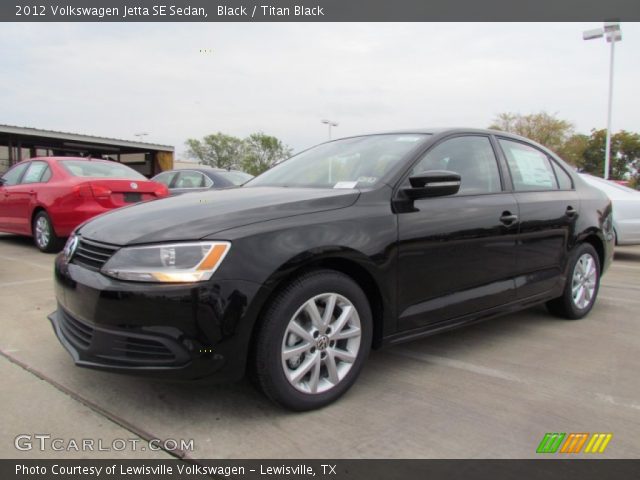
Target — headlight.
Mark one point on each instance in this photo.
(174, 262)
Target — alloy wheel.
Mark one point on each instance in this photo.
(321, 343)
(43, 232)
(583, 284)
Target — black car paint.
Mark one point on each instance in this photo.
(426, 265)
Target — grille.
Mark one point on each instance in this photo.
(92, 254)
(143, 350)
(78, 333)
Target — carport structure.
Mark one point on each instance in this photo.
(21, 143)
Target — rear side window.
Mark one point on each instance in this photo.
(564, 180)
(100, 169)
(530, 169)
(35, 173)
(12, 177)
(193, 180)
(472, 157)
(165, 178)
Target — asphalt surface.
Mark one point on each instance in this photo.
(487, 391)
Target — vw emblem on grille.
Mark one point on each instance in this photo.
(71, 246)
(134, 185)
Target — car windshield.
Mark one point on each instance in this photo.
(100, 169)
(347, 163)
(237, 178)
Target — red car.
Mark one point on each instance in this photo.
(48, 197)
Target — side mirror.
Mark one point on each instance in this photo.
(433, 183)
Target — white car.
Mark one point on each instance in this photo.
(626, 209)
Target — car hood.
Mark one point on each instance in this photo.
(196, 215)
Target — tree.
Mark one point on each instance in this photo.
(260, 152)
(624, 154)
(216, 150)
(572, 151)
(540, 127)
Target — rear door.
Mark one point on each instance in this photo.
(457, 253)
(25, 193)
(549, 207)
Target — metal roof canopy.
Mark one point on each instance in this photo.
(75, 141)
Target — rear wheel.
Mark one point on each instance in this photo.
(582, 285)
(44, 235)
(313, 341)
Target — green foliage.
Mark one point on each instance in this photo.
(572, 151)
(254, 154)
(624, 154)
(260, 152)
(216, 150)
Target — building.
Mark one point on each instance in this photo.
(21, 143)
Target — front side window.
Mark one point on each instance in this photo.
(100, 169)
(348, 163)
(471, 157)
(530, 168)
(12, 177)
(35, 172)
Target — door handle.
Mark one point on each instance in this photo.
(508, 218)
(570, 211)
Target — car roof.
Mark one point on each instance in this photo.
(202, 169)
(447, 131)
(57, 159)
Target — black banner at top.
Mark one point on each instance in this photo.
(316, 10)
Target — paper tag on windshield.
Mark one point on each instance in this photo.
(345, 185)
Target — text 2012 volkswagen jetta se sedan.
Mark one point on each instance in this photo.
(357, 243)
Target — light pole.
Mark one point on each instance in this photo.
(331, 124)
(140, 135)
(611, 31)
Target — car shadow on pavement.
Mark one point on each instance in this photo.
(185, 402)
(627, 255)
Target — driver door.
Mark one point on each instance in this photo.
(457, 254)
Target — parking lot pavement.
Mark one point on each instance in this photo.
(487, 391)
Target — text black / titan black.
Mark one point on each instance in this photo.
(354, 244)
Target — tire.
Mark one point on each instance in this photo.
(44, 236)
(583, 259)
(326, 354)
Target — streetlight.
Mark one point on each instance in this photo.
(140, 135)
(611, 31)
(331, 124)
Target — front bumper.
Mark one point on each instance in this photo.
(179, 331)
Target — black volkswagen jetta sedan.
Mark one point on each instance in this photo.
(354, 244)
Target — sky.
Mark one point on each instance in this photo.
(179, 81)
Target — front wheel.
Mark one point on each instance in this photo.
(582, 285)
(314, 339)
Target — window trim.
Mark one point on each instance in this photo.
(555, 165)
(503, 181)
